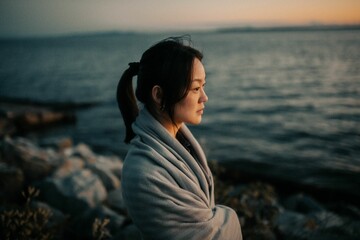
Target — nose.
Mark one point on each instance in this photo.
(203, 98)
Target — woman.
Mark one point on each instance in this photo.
(167, 185)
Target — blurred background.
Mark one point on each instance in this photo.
(283, 76)
(283, 81)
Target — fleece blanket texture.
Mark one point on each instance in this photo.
(168, 193)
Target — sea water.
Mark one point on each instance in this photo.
(288, 99)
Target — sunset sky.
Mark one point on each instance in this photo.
(47, 17)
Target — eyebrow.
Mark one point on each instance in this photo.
(198, 80)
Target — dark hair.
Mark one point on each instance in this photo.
(168, 64)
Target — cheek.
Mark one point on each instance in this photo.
(182, 109)
(187, 105)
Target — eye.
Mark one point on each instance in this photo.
(196, 89)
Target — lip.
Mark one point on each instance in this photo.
(201, 110)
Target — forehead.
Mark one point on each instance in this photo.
(198, 73)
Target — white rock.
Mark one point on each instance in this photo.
(109, 180)
(74, 193)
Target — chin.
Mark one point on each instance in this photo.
(196, 122)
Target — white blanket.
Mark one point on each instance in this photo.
(168, 194)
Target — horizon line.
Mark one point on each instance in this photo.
(232, 29)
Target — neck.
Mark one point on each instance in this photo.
(169, 125)
(165, 120)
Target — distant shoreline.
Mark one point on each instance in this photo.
(244, 29)
(290, 28)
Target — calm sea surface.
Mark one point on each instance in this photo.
(287, 99)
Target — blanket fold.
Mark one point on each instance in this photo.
(167, 193)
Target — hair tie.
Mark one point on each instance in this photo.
(134, 68)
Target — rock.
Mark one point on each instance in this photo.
(84, 151)
(112, 163)
(64, 144)
(7, 128)
(115, 201)
(317, 225)
(325, 219)
(352, 228)
(330, 226)
(83, 224)
(36, 163)
(291, 225)
(108, 169)
(130, 232)
(303, 204)
(347, 210)
(74, 193)
(11, 181)
(56, 143)
(330, 235)
(69, 166)
(57, 218)
(259, 233)
(255, 203)
(34, 119)
(109, 180)
(23, 117)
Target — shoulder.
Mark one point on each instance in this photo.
(139, 161)
(144, 163)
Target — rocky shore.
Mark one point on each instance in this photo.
(67, 191)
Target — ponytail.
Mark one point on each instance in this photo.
(126, 99)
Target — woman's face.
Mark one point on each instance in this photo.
(191, 108)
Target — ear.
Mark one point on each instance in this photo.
(157, 94)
